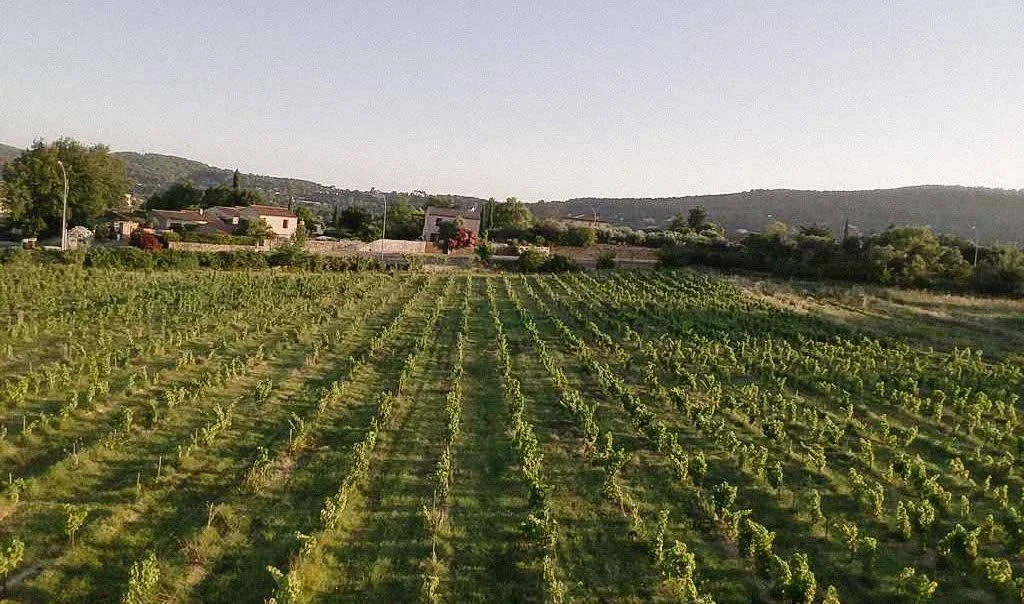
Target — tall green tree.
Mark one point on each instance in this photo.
(404, 221)
(35, 185)
(1002, 272)
(513, 215)
(357, 221)
(236, 180)
(309, 219)
(179, 196)
(223, 196)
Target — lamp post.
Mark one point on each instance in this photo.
(64, 217)
(384, 223)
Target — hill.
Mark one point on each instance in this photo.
(152, 172)
(7, 153)
(997, 214)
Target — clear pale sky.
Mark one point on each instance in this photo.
(544, 100)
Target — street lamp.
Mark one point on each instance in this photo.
(384, 224)
(64, 217)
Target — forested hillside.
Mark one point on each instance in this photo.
(998, 214)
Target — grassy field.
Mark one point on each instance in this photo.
(609, 437)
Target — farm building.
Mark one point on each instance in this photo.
(436, 216)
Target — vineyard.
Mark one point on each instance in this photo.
(269, 436)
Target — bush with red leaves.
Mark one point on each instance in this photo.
(145, 240)
(463, 238)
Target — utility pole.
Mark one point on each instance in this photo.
(64, 217)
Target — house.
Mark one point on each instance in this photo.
(282, 221)
(123, 225)
(583, 220)
(436, 216)
(187, 220)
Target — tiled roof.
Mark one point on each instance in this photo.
(185, 215)
(452, 213)
(274, 211)
(225, 211)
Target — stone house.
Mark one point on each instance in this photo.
(436, 216)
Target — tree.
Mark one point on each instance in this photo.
(579, 237)
(355, 219)
(1002, 272)
(178, 196)
(679, 224)
(440, 201)
(697, 219)
(255, 227)
(224, 196)
(404, 221)
(815, 230)
(513, 216)
(914, 256)
(307, 218)
(35, 185)
(236, 180)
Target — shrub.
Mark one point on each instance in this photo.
(578, 237)
(144, 240)
(531, 261)
(557, 263)
(119, 257)
(484, 251)
(606, 259)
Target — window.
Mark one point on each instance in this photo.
(285, 224)
(438, 221)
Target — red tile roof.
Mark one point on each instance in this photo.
(274, 211)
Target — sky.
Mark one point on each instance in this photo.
(544, 100)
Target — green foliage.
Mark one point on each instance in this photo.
(606, 259)
(405, 221)
(222, 195)
(179, 196)
(916, 587)
(74, 518)
(143, 581)
(531, 261)
(803, 585)
(256, 228)
(357, 221)
(512, 217)
(34, 185)
(10, 557)
(1002, 271)
(578, 236)
(484, 250)
(307, 218)
(557, 263)
(913, 256)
